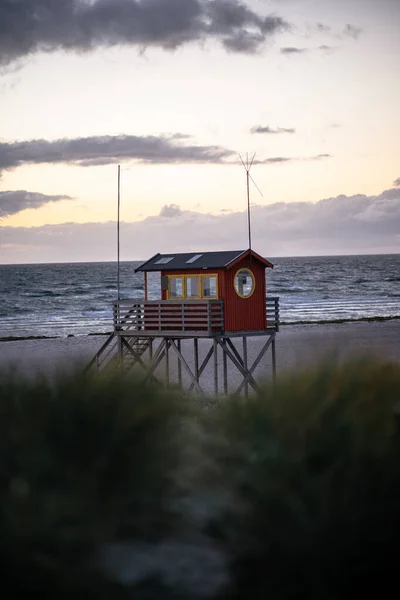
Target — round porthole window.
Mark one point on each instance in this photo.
(244, 283)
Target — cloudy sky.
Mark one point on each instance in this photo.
(174, 91)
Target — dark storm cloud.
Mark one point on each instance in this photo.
(352, 31)
(29, 26)
(103, 150)
(267, 129)
(292, 50)
(396, 182)
(13, 202)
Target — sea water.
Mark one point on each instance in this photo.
(76, 298)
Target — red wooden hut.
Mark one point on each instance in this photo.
(208, 291)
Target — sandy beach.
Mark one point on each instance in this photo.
(296, 346)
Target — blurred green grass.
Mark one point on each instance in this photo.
(292, 493)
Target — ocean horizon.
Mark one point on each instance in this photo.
(75, 298)
(142, 260)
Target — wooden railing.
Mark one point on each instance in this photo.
(203, 316)
(209, 310)
(272, 304)
(151, 316)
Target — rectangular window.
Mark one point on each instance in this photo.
(209, 287)
(194, 258)
(192, 287)
(176, 287)
(164, 260)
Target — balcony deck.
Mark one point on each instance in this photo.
(182, 319)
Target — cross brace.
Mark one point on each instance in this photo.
(195, 371)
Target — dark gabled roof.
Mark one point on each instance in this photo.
(196, 260)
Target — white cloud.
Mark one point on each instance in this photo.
(341, 225)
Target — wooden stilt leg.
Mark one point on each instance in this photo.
(178, 344)
(167, 362)
(215, 345)
(273, 362)
(225, 367)
(246, 385)
(202, 367)
(196, 358)
(120, 353)
(185, 366)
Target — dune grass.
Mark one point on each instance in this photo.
(115, 490)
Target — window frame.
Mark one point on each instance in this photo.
(199, 296)
(208, 276)
(200, 276)
(169, 287)
(253, 279)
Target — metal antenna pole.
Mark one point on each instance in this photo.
(119, 202)
(248, 204)
(247, 168)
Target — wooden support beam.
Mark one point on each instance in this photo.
(246, 385)
(203, 365)
(96, 359)
(167, 346)
(215, 350)
(178, 342)
(121, 345)
(120, 353)
(196, 358)
(133, 353)
(273, 361)
(138, 360)
(255, 363)
(225, 367)
(188, 370)
(234, 350)
(158, 356)
(237, 360)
